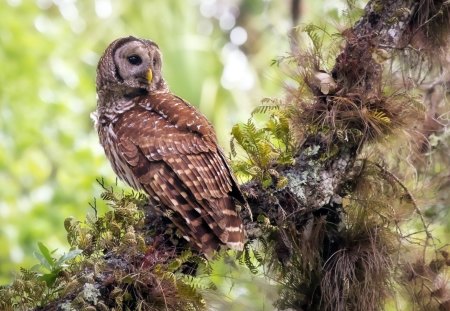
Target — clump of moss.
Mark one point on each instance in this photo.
(426, 283)
(130, 259)
(342, 255)
(348, 103)
(430, 26)
(355, 117)
(27, 291)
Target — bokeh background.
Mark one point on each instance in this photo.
(217, 55)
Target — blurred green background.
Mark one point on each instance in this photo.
(217, 55)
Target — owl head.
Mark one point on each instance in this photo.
(130, 67)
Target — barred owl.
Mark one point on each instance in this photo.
(160, 144)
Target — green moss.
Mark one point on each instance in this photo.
(113, 267)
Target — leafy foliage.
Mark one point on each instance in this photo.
(251, 258)
(27, 291)
(33, 288)
(331, 99)
(265, 148)
(343, 255)
(53, 266)
(115, 229)
(140, 275)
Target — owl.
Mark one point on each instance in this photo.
(158, 143)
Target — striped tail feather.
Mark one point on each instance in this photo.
(206, 224)
(233, 234)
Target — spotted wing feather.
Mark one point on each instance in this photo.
(172, 150)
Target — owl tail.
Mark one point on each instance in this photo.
(217, 224)
(209, 225)
(230, 229)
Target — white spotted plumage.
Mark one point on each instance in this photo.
(158, 143)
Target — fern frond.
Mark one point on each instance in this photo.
(196, 282)
(282, 182)
(258, 257)
(275, 105)
(248, 259)
(169, 276)
(233, 147)
(380, 117)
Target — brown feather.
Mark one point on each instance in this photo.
(193, 165)
(159, 143)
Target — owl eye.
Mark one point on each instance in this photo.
(134, 60)
(154, 61)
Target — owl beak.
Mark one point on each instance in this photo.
(149, 76)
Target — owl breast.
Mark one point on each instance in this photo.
(108, 140)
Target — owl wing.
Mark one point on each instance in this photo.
(187, 118)
(174, 155)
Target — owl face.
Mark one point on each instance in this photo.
(131, 66)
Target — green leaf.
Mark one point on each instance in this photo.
(43, 261)
(50, 278)
(46, 253)
(70, 255)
